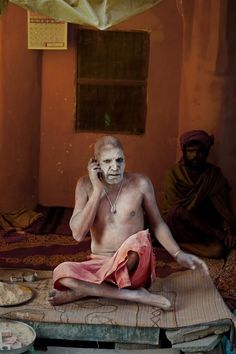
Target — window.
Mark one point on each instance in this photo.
(112, 81)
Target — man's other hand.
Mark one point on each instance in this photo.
(230, 239)
(193, 262)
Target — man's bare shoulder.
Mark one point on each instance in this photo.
(84, 183)
(138, 179)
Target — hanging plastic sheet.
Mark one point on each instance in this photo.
(101, 14)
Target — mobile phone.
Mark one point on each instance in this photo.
(99, 174)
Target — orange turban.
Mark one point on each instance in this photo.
(197, 135)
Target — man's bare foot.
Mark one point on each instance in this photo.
(56, 297)
(151, 299)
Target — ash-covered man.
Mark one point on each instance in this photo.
(110, 204)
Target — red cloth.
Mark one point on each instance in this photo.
(113, 269)
(197, 135)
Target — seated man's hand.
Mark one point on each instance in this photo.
(193, 262)
(230, 239)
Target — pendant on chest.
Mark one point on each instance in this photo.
(113, 205)
(113, 209)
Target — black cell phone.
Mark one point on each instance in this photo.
(99, 175)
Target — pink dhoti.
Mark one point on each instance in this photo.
(113, 269)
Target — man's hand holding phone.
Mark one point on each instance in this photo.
(95, 174)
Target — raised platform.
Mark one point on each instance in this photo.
(195, 300)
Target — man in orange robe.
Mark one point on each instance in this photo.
(197, 202)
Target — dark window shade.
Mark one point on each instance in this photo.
(112, 80)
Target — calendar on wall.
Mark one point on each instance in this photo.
(46, 33)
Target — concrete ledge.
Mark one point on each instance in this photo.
(200, 345)
(196, 332)
(61, 350)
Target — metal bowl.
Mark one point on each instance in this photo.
(20, 328)
(25, 290)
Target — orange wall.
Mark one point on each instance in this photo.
(20, 89)
(208, 90)
(191, 85)
(64, 154)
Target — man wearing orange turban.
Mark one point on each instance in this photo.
(197, 204)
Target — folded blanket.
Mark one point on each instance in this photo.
(55, 220)
(19, 219)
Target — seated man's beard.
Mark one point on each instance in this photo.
(195, 164)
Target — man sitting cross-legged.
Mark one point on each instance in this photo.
(197, 204)
(110, 203)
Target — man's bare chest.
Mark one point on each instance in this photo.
(126, 207)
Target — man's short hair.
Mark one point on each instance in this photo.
(105, 141)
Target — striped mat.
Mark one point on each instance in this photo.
(194, 297)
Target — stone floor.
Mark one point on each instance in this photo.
(205, 346)
(60, 350)
(69, 350)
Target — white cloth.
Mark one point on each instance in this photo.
(96, 13)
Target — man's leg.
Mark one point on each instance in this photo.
(133, 260)
(79, 289)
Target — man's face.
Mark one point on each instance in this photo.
(195, 156)
(112, 163)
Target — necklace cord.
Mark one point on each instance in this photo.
(113, 205)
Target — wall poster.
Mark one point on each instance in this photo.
(46, 33)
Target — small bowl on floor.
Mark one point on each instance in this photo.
(15, 337)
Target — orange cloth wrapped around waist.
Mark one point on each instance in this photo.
(113, 269)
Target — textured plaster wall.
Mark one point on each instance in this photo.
(64, 154)
(208, 82)
(191, 85)
(20, 88)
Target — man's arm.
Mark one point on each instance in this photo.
(157, 224)
(229, 237)
(162, 232)
(86, 206)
